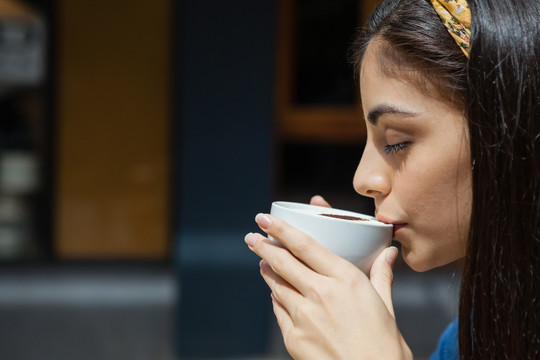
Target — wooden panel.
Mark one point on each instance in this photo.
(10, 9)
(322, 124)
(113, 121)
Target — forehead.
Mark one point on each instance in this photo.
(377, 84)
(386, 64)
(379, 90)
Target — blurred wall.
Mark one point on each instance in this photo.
(113, 114)
(224, 58)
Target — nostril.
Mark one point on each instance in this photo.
(371, 193)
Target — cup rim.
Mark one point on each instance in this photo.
(315, 210)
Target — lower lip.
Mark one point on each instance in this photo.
(397, 228)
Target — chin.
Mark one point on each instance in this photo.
(417, 263)
(421, 263)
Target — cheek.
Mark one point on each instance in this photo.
(437, 201)
(435, 193)
(437, 234)
(421, 190)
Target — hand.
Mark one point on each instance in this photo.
(319, 201)
(325, 306)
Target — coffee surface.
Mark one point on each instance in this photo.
(344, 217)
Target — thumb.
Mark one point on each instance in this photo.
(319, 201)
(382, 277)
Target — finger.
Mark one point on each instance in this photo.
(382, 276)
(283, 263)
(283, 317)
(319, 201)
(301, 245)
(282, 291)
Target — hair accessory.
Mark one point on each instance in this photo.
(456, 16)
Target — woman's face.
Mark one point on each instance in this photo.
(416, 166)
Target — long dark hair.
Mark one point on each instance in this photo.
(498, 88)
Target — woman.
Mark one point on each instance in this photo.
(452, 159)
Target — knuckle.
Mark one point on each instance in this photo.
(278, 229)
(279, 261)
(322, 293)
(302, 246)
(347, 270)
(354, 278)
(312, 288)
(302, 313)
(278, 292)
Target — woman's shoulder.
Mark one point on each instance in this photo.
(447, 348)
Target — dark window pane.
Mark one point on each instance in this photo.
(323, 33)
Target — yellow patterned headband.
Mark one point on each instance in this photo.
(456, 16)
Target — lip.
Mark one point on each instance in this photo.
(397, 225)
(397, 228)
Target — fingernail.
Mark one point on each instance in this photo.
(263, 221)
(250, 239)
(391, 255)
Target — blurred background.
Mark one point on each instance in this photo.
(138, 139)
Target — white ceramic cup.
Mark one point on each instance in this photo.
(358, 241)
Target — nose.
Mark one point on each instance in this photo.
(372, 177)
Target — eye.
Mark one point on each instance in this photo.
(388, 149)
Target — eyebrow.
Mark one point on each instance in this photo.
(379, 110)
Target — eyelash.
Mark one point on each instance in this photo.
(388, 149)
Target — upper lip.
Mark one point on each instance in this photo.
(396, 224)
(386, 220)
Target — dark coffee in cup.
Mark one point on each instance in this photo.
(344, 217)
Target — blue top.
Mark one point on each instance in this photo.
(447, 349)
